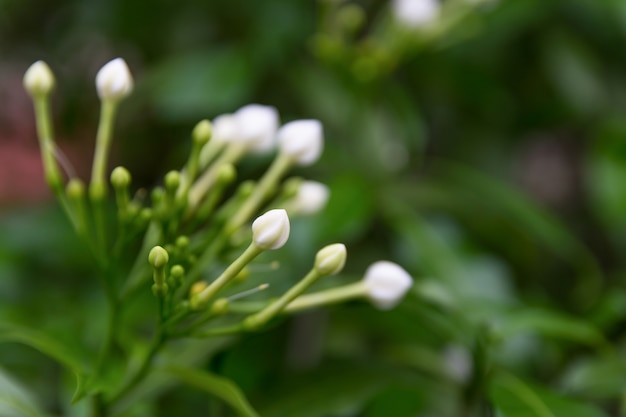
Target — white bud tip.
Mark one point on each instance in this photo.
(271, 230)
(38, 79)
(114, 81)
(256, 126)
(331, 259)
(302, 140)
(224, 129)
(310, 198)
(386, 284)
(416, 13)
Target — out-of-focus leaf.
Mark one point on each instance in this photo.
(512, 397)
(549, 324)
(349, 209)
(206, 82)
(15, 400)
(596, 377)
(346, 390)
(49, 346)
(218, 386)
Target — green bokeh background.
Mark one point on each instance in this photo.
(488, 157)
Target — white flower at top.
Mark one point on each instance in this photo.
(38, 79)
(114, 81)
(256, 126)
(416, 13)
(224, 129)
(302, 140)
(386, 284)
(271, 230)
(310, 198)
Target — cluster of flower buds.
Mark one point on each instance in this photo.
(194, 222)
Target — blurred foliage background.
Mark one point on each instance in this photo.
(486, 153)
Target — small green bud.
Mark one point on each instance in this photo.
(330, 259)
(158, 257)
(172, 181)
(160, 290)
(220, 306)
(145, 215)
(177, 273)
(226, 174)
(39, 79)
(202, 132)
(75, 189)
(291, 187)
(157, 195)
(197, 288)
(120, 178)
(182, 242)
(133, 209)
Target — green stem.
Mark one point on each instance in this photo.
(229, 273)
(98, 187)
(46, 142)
(331, 296)
(259, 319)
(199, 189)
(261, 192)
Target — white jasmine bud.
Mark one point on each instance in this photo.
(224, 129)
(386, 283)
(415, 13)
(330, 259)
(114, 81)
(38, 79)
(311, 197)
(271, 230)
(256, 126)
(301, 140)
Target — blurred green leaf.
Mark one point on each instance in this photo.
(514, 398)
(49, 346)
(598, 378)
(550, 324)
(15, 400)
(215, 385)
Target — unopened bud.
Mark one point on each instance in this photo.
(120, 178)
(202, 132)
(114, 81)
(271, 230)
(302, 140)
(158, 257)
(330, 259)
(39, 79)
(386, 284)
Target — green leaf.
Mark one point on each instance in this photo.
(550, 324)
(15, 401)
(215, 385)
(515, 398)
(48, 346)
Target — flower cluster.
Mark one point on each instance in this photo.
(194, 222)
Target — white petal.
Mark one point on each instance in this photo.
(303, 140)
(386, 284)
(114, 80)
(271, 230)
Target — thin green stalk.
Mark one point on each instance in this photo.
(261, 192)
(326, 297)
(229, 273)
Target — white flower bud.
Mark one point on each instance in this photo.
(416, 13)
(114, 81)
(256, 126)
(38, 79)
(302, 140)
(224, 129)
(330, 259)
(271, 230)
(310, 198)
(386, 283)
